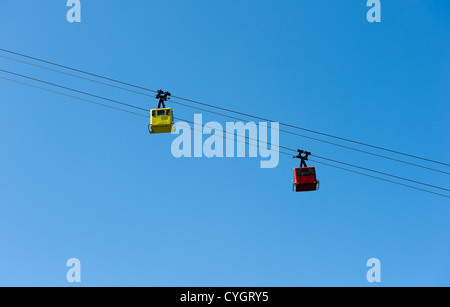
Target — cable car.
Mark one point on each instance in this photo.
(161, 121)
(305, 179)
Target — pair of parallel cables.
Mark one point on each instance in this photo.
(138, 90)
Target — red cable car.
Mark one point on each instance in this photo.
(305, 179)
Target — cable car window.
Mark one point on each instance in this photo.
(312, 171)
(161, 112)
(167, 112)
(297, 172)
(305, 172)
(153, 113)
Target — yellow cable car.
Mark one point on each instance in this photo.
(161, 121)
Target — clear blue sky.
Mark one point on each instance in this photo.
(78, 180)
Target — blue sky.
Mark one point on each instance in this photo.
(81, 181)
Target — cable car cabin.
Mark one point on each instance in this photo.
(305, 179)
(161, 121)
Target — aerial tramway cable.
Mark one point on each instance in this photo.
(235, 112)
(246, 142)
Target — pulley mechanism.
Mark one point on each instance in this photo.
(162, 97)
(303, 156)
